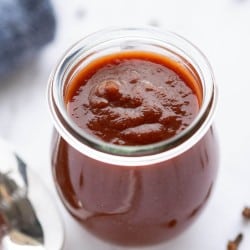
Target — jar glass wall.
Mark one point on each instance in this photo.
(134, 195)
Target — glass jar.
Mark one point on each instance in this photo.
(134, 195)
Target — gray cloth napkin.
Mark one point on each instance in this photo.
(25, 27)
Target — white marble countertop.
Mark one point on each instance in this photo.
(221, 29)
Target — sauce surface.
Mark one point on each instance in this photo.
(133, 98)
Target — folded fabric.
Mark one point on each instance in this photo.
(25, 27)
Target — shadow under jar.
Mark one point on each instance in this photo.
(134, 194)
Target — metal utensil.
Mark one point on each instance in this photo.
(28, 217)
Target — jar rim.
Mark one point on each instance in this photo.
(132, 155)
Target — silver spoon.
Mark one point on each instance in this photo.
(28, 217)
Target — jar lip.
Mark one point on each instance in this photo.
(130, 155)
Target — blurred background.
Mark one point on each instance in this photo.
(35, 33)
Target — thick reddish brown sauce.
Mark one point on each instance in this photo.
(133, 98)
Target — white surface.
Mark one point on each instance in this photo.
(221, 29)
